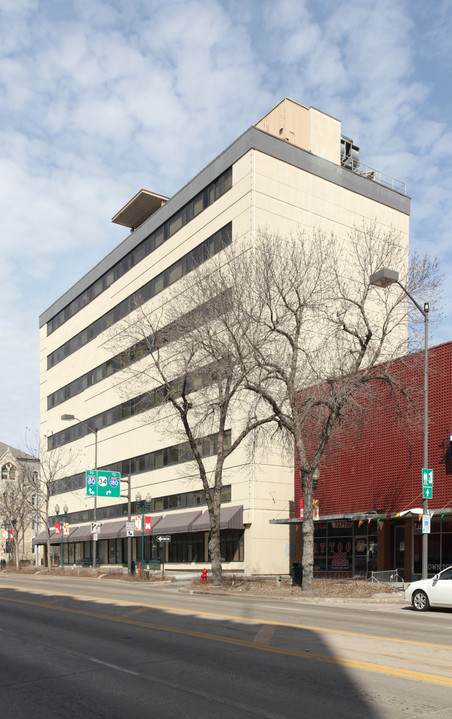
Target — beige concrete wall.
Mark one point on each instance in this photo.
(266, 193)
(307, 128)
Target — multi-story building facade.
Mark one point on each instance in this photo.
(18, 509)
(370, 492)
(292, 170)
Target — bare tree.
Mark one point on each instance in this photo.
(14, 509)
(47, 468)
(318, 337)
(15, 498)
(182, 356)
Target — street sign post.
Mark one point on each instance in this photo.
(426, 524)
(102, 483)
(427, 483)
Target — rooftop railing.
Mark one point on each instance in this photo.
(375, 175)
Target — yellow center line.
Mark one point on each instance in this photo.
(231, 617)
(249, 644)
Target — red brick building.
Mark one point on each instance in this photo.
(370, 489)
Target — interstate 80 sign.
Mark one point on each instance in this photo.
(102, 483)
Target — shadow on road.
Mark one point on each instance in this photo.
(101, 659)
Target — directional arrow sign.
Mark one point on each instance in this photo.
(101, 483)
(427, 492)
(427, 477)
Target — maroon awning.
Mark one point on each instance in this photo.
(177, 523)
(230, 518)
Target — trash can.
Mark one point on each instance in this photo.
(2, 563)
(132, 567)
(297, 574)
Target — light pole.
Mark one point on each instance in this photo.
(61, 517)
(384, 278)
(128, 496)
(70, 417)
(143, 505)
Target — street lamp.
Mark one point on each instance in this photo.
(142, 505)
(384, 278)
(315, 478)
(62, 517)
(70, 417)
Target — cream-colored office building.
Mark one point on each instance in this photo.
(292, 170)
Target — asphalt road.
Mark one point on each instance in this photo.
(89, 648)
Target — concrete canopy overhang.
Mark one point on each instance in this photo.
(139, 209)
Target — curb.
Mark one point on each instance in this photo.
(374, 599)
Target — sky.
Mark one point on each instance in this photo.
(100, 98)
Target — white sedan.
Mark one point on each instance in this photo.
(434, 592)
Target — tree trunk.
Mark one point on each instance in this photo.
(215, 544)
(49, 556)
(307, 531)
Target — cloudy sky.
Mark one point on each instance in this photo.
(100, 98)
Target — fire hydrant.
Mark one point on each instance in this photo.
(204, 576)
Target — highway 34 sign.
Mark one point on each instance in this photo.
(102, 483)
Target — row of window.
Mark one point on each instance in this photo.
(204, 199)
(127, 357)
(183, 548)
(164, 457)
(184, 500)
(186, 264)
(131, 407)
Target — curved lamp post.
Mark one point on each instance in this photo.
(384, 278)
(70, 417)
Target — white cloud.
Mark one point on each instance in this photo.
(100, 98)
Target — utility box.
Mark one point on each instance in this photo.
(297, 574)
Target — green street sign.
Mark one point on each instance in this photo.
(427, 477)
(102, 483)
(427, 492)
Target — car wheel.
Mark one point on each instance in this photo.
(420, 601)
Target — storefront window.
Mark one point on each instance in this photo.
(231, 545)
(439, 546)
(361, 555)
(446, 545)
(101, 551)
(345, 546)
(320, 540)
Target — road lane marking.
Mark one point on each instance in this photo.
(114, 666)
(215, 615)
(248, 644)
(265, 634)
